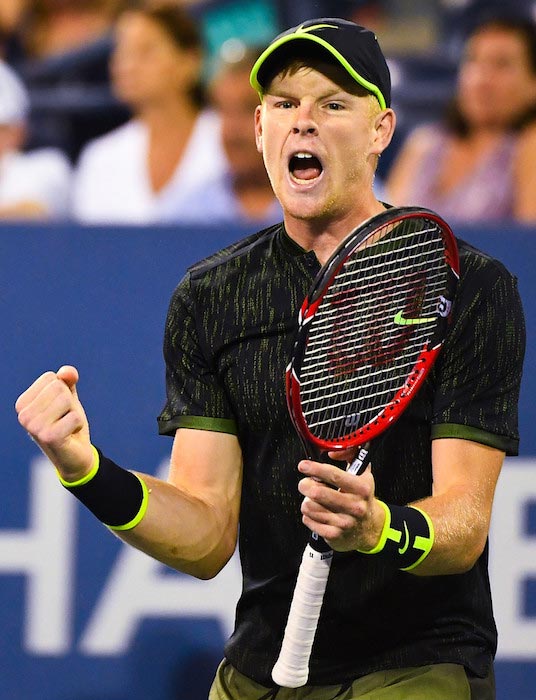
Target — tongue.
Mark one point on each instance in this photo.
(306, 173)
(305, 169)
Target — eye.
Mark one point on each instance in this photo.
(284, 104)
(335, 106)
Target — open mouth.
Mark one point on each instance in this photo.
(304, 167)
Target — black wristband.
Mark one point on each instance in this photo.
(116, 496)
(407, 536)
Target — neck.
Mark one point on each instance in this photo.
(323, 235)
(251, 180)
(485, 134)
(254, 194)
(175, 115)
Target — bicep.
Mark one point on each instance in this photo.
(466, 467)
(465, 475)
(208, 465)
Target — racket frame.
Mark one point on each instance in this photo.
(424, 362)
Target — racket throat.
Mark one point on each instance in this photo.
(360, 462)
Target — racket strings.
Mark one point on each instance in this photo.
(371, 326)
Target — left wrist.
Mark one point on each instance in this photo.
(407, 536)
(372, 538)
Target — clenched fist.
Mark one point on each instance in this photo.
(50, 411)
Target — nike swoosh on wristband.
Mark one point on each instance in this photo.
(402, 550)
(401, 320)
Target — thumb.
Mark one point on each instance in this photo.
(69, 375)
(344, 455)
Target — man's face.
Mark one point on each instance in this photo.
(235, 102)
(318, 142)
(147, 66)
(496, 80)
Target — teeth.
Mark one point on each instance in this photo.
(303, 155)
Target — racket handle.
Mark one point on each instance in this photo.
(292, 667)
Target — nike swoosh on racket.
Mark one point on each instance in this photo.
(401, 320)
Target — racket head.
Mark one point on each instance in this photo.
(371, 327)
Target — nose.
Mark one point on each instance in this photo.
(310, 130)
(304, 122)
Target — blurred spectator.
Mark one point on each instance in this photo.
(46, 28)
(242, 194)
(458, 18)
(172, 144)
(11, 17)
(61, 49)
(34, 184)
(479, 163)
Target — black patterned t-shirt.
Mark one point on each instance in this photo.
(228, 339)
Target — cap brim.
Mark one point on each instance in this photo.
(277, 45)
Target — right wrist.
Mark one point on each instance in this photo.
(72, 483)
(116, 496)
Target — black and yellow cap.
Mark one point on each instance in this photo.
(354, 47)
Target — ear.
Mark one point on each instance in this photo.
(258, 127)
(384, 127)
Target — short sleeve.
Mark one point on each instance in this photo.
(480, 367)
(195, 397)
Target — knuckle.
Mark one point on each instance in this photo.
(315, 490)
(23, 419)
(45, 436)
(30, 425)
(358, 510)
(337, 478)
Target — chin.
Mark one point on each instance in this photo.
(304, 213)
(303, 207)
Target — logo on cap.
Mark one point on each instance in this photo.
(303, 30)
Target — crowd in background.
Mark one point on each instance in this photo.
(140, 112)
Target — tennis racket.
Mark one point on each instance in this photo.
(369, 332)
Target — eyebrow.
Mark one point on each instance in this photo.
(330, 94)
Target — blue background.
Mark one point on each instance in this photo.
(97, 298)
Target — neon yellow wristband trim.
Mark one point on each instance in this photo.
(386, 530)
(140, 514)
(406, 538)
(85, 479)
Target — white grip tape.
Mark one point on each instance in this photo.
(292, 667)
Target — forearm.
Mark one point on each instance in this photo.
(190, 527)
(465, 476)
(461, 525)
(186, 533)
(436, 536)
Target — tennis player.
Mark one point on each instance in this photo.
(392, 627)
